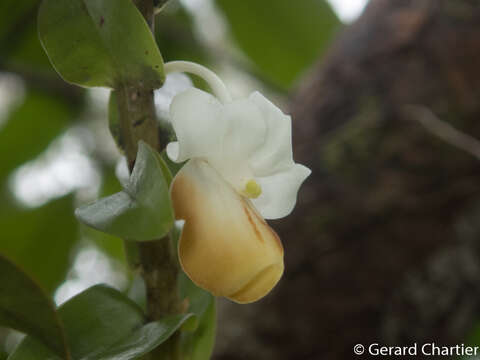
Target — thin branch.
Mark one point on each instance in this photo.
(158, 259)
(443, 130)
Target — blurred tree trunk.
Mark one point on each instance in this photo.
(384, 245)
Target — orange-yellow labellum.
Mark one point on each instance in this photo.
(226, 247)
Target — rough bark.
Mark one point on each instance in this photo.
(384, 243)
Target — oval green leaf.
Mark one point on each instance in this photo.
(97, 318)
(25, 307)
(32, 349)
(100, 43)
(94, 320)
(143, 210)
(103, 324)
(145, 339)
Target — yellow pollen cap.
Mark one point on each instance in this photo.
(252, 189)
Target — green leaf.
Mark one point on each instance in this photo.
(32, 349)
(281, 37)
(142, 211)
(40, 240)
(145, 339)
(113, 246)
(94, 320)
(25, 307)
(165, 169)
(100, 43)
(197, 298)
(198, 345)
(103, 324)
(106, 316)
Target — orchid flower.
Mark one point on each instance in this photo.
(240, 171)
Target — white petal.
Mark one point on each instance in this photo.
(244, 135)
(279, 191)
(225, 246)
(275, 154)
(194, 115)
(246, 128)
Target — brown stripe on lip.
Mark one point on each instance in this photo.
(250, 220)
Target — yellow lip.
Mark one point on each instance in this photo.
(226, 247)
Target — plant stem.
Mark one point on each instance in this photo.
(137, 119)
(157, 259)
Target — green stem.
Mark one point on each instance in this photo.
(138, 121)
(157, 259)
